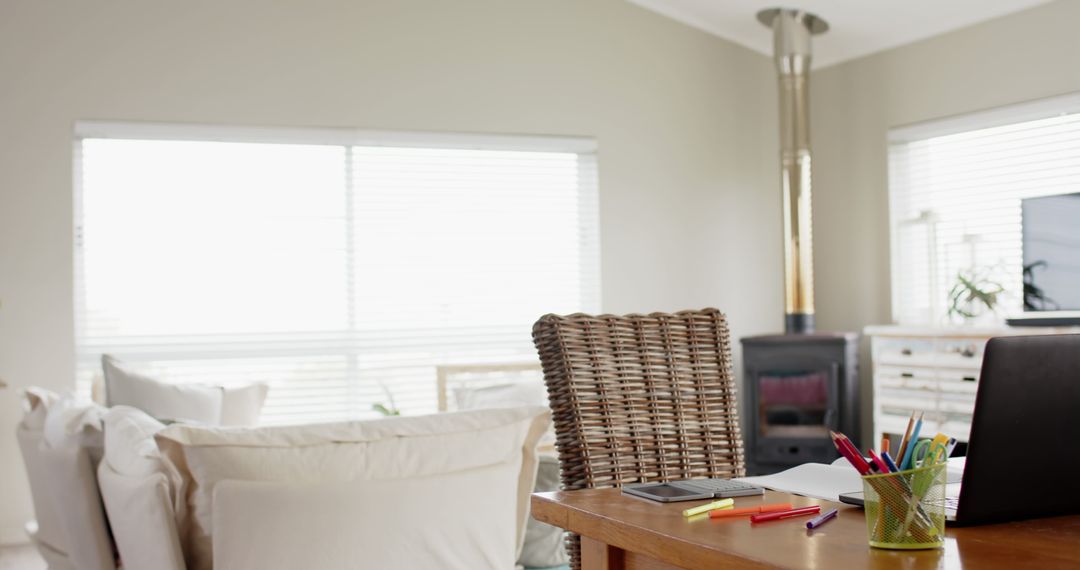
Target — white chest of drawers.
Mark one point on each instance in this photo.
(930, 370)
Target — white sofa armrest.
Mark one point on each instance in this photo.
(78, 500)
(142, 520)
(54, 559)
(49, 529)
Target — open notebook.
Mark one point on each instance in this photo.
(822, 481)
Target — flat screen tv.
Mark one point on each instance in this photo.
(1051, 244)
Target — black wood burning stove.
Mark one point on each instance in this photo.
(798, 387)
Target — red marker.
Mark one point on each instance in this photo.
(763, 517)
(880, 463)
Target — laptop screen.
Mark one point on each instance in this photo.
(1025, 431)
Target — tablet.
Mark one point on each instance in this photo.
(691, 490)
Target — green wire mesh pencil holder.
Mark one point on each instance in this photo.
(906, 509)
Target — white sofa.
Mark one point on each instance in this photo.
(61, 441)
(440, 491)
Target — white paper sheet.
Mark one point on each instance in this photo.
(828, 482)
(815, 480)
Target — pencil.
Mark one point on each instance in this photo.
(909, 453)
(907, 434)
(884, 443)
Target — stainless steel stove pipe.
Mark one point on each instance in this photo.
(791, 42)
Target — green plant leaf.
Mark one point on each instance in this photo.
(382, 409)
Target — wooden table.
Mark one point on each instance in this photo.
(628, 533)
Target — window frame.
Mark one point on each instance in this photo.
(343, 137)
(1010, 114)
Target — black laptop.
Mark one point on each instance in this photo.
(1025, 435)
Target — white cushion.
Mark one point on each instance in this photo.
(388, 451)
(501, 395)
(74, 423)
(462, 519)
(200, 403)
(142, 519)
(241, 406)
(136, 492)
(173, 402)
(36, 403)
(130, 448)
(531, 392)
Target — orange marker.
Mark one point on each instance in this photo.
(723, 513)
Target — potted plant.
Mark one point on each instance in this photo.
(973, 295)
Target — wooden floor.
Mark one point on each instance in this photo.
(23, 557)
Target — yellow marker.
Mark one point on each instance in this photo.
(696, 518)
(721, 504)
(940, 442)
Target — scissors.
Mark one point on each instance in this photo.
(931, 452)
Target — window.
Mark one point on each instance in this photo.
(955, 191)
(340, 267)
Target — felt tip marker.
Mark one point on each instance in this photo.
(721, 504)
(818, 521)
(750, 510)
(811, 510)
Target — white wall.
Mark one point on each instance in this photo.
(1028, 55)
(685, 123)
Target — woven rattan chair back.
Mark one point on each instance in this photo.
(640, 398)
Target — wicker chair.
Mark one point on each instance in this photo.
(640, 398)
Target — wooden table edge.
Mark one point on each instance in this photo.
(687, 554)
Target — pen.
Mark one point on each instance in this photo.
(923, 517)
(898, 483)
(721, 514)
(884, 443)
(818, 521)
(721, 504)
(909, 453)
(949, 447)
(811, 510)
(889, 461)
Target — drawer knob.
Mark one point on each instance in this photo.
(967, 351)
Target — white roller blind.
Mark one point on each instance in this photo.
(340, 273)
(955, 189)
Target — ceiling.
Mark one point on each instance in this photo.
(856, 27)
